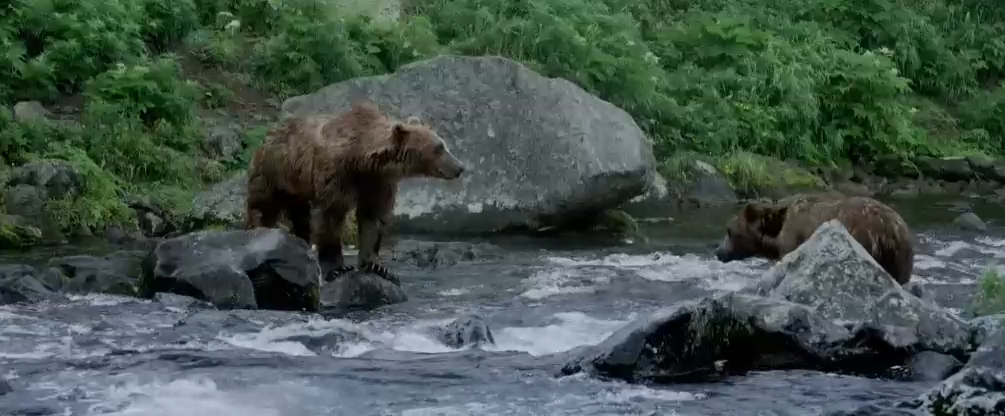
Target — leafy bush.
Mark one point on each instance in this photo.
(60, 44)
(741, 84)
(991, 297)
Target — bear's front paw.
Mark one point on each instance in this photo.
(335, 272)
(381, 271)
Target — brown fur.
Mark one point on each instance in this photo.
(336, 162)
(772, 230)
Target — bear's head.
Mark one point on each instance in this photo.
(422, 152)
(752, 232)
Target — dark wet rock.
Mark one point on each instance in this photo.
(945, 168)
(987, 168)
(116, 273)
(715, 337)
(153, 220)
(977, 389)
(826, 306)
(435, 254)
(18, 283)
(180, 301)
(265, 268)
(464, 331)
(494, 113)
(361, 290)
(968, 221)
(116, 234)
(17, 232)
(5, 387)
(221, 205)
(30, 111)
(918, 290)
(329, 343)
(702, 184)
(932, 366)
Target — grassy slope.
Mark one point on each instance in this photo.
(730, 80)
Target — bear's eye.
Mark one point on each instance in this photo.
(439, 149)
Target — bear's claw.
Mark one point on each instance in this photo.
(380, 271)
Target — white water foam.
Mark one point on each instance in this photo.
(668, 267)
(192, 397)
(571, 330)
(565, 281)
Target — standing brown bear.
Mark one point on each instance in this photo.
(772, 230)
(336, 162)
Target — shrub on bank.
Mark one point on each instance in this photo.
(814, 81)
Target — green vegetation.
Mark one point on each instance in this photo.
(990, 299)
(745, 83)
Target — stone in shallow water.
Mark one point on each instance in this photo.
(265, 268)
(464, 331)
(826, 306)
(360, 290)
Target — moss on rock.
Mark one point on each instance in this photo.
(16, 233)
(754, 175)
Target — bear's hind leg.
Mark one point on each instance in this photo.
(371, 218)
(329, 242)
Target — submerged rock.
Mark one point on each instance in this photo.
(826, 306)
(18, 283)
(265, 268)
(117, 273)
(435, 254)
(361, 290)
(464, 331)
(968, 221)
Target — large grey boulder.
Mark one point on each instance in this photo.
(540, 151)
(264, 268)
(826, 306)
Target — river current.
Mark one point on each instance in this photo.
(108, 355)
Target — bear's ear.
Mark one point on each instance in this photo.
(753, 211)
(399, 134)
(767, 218)
(413, 120)
(772, 220)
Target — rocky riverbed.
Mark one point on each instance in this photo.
(511, 327)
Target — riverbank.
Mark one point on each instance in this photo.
(93, 109)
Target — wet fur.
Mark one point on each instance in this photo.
(336, 162)
(774, 230)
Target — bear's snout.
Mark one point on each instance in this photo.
(723, 252)
(451, 168)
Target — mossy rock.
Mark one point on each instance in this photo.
(15, 232)
(753, 175)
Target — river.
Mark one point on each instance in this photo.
(107, 355)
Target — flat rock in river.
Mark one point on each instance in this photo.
(264, 268)
(539, 150)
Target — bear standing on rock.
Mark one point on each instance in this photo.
(336, 162)
(774, 230)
